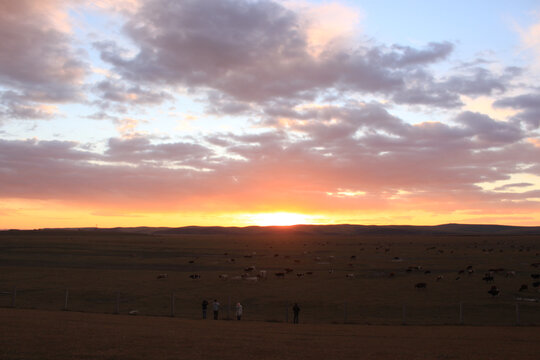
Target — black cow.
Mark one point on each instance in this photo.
(494, 291)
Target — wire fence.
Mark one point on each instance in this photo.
(522, 312)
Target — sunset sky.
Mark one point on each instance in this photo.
(239, 112)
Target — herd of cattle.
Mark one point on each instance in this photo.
(251, 274)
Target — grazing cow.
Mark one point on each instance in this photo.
(397, 259)
(420, 285)
(280, 275)
(460, 272)
(488, 278)
(133, 312)
(440, 277)
(231, 260)
(331, 271)
(350, 276)
(251, 278)
(391, 275)
(250, 268)
(494, 291)
(300, 275)
(289, 270)
(523, 287)
(248, 256)
(536, 265)
(510, 273)
(535, 276)
(297, 261)
(427, 272)
(309, 273)
(223, 276)
(191, 261)
(195, 276)
(162, 276)
(353, 257)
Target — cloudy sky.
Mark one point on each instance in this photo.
(239, 112)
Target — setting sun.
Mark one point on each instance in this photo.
(278, 219)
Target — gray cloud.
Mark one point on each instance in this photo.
(489, 132)
(37, 61)
(257, 52)
(109, 90)
(512, 186)
(529, 106)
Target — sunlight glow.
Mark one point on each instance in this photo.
(278, 219)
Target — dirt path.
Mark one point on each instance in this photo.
(33, 334)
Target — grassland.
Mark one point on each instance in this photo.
(96, 266)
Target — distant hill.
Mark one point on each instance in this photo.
(345, 229)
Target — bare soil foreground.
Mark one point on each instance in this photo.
(57, 335)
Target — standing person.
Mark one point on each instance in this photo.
(296, 311)
(215, 306)
(239, 311)
(204, 307)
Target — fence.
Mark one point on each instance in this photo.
(524, 311)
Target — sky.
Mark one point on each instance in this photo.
(272, 112)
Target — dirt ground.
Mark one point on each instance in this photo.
(58, 335)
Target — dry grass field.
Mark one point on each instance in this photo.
(57, 335)
(96, 266)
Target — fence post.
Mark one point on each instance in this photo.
(461, 313)
(172, 304)
(403, 313)
(14, 297)
(517, 314)
(345, 313)
(117, 310)
(66, 300)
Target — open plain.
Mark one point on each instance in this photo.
(356, 288)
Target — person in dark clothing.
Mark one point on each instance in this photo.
(296, 311)
(204, 307)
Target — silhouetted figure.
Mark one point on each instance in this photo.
(215, 306)
(296, 311)
(204, 307)
(239, 311)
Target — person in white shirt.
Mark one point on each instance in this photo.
(215, 306)
(239, 311)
